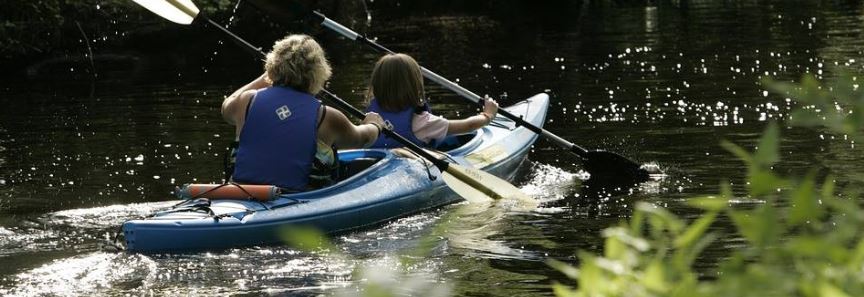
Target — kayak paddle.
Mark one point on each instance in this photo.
(602, 165)
(471, 184)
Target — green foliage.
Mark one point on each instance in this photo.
(838, 106)
(802, 240)
(308, 239)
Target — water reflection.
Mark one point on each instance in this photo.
(76, 229)
(87, 274)
(468, 227)
(651, 19)
(474, 227)
(663, 83)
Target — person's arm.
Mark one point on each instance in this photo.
(490, 109)
(345, 135)
(234, 106)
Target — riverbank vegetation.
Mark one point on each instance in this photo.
(803, 236)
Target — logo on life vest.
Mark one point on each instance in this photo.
(283, 112)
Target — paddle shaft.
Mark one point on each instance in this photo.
(240, 41)
(430, 75)
(185, 9)
(442, 165)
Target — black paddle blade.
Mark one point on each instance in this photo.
(613, 168)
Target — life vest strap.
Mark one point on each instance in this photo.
(229, 159)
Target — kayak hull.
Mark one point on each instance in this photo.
(392, 187)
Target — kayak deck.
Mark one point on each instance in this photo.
(385, 186)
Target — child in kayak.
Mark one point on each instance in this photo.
(287, 138)
(396, 93)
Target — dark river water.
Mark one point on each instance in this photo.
(660, 84)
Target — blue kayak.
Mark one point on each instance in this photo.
(380, 186)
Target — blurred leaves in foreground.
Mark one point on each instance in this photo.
(838, 105)
(802, 239)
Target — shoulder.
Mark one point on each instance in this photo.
(242, 99)
(333, 114)
(426, 118)
(247, 96)
(234, 107)
(427, 126)
(334, 126)
(334, 120)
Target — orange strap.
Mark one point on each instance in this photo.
(229, 191)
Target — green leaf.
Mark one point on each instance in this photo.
(810, 90)
(814, 246)
(806, 118)
(726, 191)
(768, 151)
(857, 256)
(844, 88)
(566, 269)
(666, 218)
(709, 203)
(684, 257)
(618, 239)
(734, 265)
(828, 187)
(592, 281)
(307, 239)
(695, 230)
(758, 226)
(805, 206)
(687, 287)
(764, 182)
(636, 222)
(781, 88)
(654, 277)
(846, 207)
(738, 151)
(826, 289)
(563, 291)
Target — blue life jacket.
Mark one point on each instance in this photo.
(400, 122)
(278, 139)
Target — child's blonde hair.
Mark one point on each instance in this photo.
(298, 61)
(397, 83)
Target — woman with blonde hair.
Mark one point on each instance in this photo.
(285, 136)
(396, 93)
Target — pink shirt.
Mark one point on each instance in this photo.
(427, 127)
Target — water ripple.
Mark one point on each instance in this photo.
(88, 274)
(104, 216)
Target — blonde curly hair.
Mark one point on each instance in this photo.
(299, 62)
